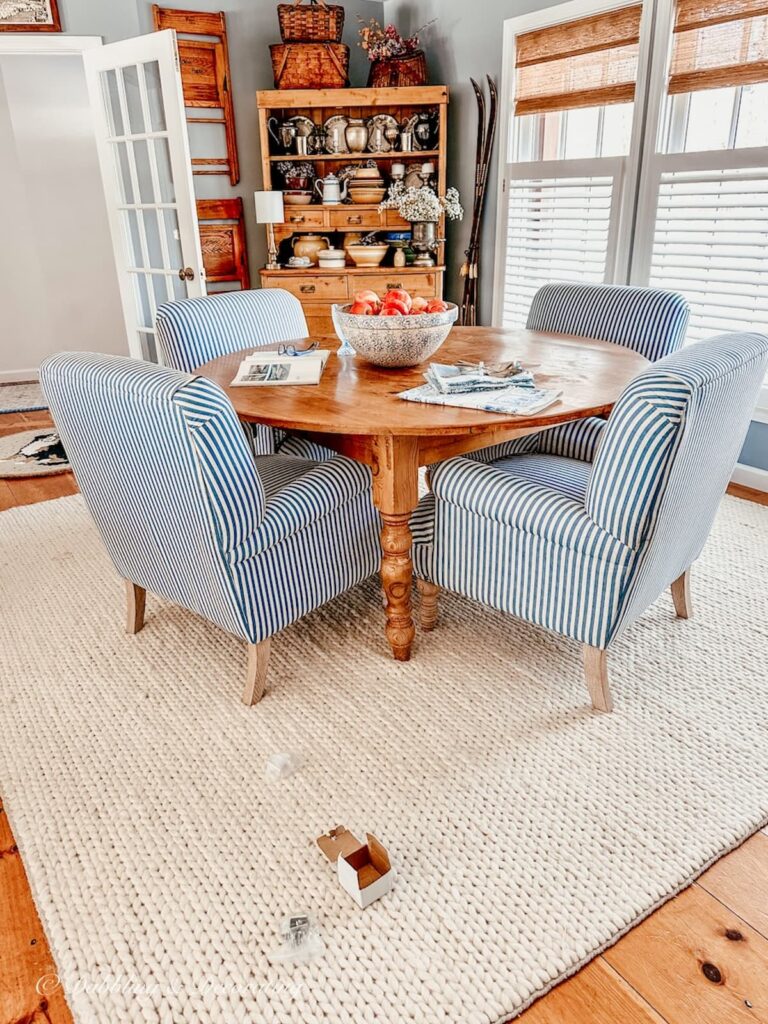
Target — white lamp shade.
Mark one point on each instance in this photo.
(269, 207)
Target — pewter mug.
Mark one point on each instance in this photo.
(283, 134)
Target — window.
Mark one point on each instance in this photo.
(569, 132)
(703, 213)
(590, 89)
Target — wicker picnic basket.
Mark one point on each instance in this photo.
(318, 22)
(398, 72)
(310, 65)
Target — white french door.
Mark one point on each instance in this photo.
(141, 134)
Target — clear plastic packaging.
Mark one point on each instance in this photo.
(302, 940)
(280, 766)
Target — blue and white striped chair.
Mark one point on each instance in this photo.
(191, 332)
(186, 511)
(648, 320)
(587, 550)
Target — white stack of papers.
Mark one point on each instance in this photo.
(270, 368)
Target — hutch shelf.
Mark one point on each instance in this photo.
(319, 289)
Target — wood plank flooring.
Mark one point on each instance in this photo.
(702, 958)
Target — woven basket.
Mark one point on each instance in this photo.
(310, 65)
(398, 71)
(318, 22)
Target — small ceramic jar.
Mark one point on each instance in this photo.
(309, 245)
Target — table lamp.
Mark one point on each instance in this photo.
(270, 211)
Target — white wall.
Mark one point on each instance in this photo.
(58, 285)
(251, 26)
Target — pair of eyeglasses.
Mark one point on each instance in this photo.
(291, 350)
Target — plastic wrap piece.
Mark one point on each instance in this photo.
(280, 766)
(301, 940)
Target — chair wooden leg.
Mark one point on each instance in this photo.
(681, 595)
(429, 595)
(596, 672)
(256, 676)
(135, 600)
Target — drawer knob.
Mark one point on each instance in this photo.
(391, 285)
(307, 289)
(355, 220)
(298, 218)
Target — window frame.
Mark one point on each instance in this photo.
(617, 261)
(646, 157)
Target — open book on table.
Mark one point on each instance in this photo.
(262, 369)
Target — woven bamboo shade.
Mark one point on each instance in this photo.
(584, 63)
(719, 43)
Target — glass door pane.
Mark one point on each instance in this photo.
(145, 161)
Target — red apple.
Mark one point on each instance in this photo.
(392, 310)
(398, 295)
(437, 306)
(419, 304)
(396, 304)
(368, 296)
(361, 308)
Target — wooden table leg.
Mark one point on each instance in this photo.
(396, 493)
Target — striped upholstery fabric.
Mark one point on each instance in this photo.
(577, 439)
(647, 320)
(191, 332)
(568, 476)
(587, 558)
(186, 512)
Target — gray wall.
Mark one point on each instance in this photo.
(251, 27)
(755, 451)
(58, 285)
(464, 42)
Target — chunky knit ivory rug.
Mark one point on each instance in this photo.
(527, 832)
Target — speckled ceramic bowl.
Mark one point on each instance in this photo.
(394, 340)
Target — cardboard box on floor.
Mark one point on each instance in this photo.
(363, 869)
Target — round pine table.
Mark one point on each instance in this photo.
(355, 411)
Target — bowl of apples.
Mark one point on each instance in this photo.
(394, 330)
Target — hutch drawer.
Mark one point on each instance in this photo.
(304, 218)
(311, 288)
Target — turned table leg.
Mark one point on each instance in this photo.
(396, 494)
(397, 580)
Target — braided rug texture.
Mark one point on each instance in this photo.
(527, 832)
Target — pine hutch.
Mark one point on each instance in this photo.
(319, 289)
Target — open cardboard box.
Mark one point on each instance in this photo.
(363, 869)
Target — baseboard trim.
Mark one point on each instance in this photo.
(19, 376)
(750, 476)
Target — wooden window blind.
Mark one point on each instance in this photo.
(586, 63)
(719, 43)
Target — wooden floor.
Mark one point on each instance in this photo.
(701, 959)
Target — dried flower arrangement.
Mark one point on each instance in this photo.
(384, 43)
(289, 169)
(423, 204)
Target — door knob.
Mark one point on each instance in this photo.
(187, 274)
